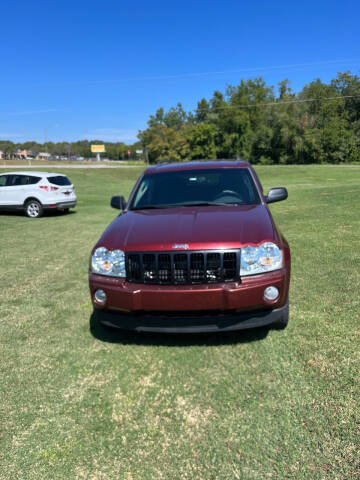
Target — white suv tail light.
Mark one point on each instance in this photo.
(48, 188)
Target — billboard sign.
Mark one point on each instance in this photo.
(98, 148)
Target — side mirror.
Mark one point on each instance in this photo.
(276, 195)
(118, 202)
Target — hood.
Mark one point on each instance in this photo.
(201, 228)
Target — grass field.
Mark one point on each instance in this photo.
(79, 402)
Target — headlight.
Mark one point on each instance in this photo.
(264, 258)
(108, 262)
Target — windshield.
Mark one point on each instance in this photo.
(223, 186)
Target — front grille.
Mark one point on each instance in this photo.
(170, 268)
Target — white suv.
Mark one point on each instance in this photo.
(35, 192)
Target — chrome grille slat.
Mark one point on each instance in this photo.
(183, 268)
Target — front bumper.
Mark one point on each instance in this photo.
(190, 308)
(213, 322)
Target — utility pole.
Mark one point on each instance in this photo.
(45, 140)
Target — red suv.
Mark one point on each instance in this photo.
(194, 249)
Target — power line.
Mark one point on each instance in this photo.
(276, 103)
(223, 72)
(351, 61)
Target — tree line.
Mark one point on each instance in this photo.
(252, 121)
(319, 124)
(81, 148)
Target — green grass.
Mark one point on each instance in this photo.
(79, 402)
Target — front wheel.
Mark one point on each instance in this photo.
(33, 209)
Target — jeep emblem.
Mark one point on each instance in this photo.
(182, 246)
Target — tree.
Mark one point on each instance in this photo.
(201, 139)
(202, 111)
(166, 144)
(7, 147)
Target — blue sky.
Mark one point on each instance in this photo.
(88, 69)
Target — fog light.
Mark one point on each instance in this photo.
(100, 297)
(271, 293)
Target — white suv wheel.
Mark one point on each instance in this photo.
(33, 209)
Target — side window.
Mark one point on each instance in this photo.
(59, 180)
(9, 180)
(24, 180)
(142, 194)
(31, 180)
(15, 180)
(3, 180)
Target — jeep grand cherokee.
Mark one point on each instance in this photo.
(194, 249)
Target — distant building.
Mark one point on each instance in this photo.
(2, 155)
(43, 156)
(24, 154)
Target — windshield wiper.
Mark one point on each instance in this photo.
(148, 207)
(187, 204)
(203, 204)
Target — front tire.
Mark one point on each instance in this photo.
(33, 209)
